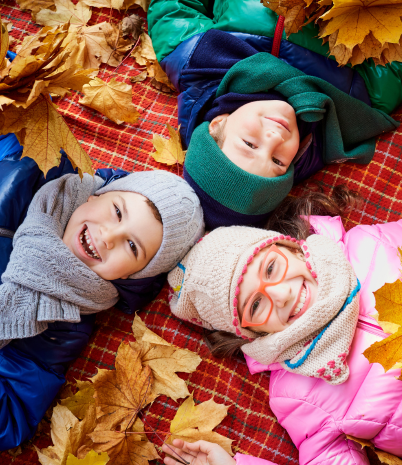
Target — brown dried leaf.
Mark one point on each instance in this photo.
(158, 75)
(115, 39)
(193, 423)
(123, 448)
(132, 25)
(139, 77)
(43, 132)
(168, 151)
(122, 393)
(66, 12)
(36, 5)
(144, 52)
(68, 434)
(4, 42)
(119, 4)
(275, 6)
(357, 56)
(164, 360)
(113, 99)
(384, 457)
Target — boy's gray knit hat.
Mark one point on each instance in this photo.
(179, 207)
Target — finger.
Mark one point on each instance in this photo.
(200, 446)
(177, 453)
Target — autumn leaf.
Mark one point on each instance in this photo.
(164, 360)
(139, 77)
(120, 394)
(66, 12)
(384, 457)
(193, 423)
(42, 132)
(386, 352)
(92, 458)
(119, 4)
(124, 448)
(36, 5)
(388, 302)
(168, 151)
(3, 43)
(79, 403)
(132, 25)
(68, 435)
(113, 99)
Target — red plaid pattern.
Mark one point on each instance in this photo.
(250, 422)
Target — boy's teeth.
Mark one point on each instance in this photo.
(91, 252)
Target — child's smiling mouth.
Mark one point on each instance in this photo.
(87, 244)
(302, 304)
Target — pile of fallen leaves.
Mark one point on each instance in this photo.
(355, 30)
(104, 416)
(64, 56)
(388, 352)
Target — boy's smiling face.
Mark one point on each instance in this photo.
(260, 137)
(115, 234)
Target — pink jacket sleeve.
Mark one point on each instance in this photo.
(249, 460)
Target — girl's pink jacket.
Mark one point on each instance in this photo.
(318, 416)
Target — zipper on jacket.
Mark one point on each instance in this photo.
(370, 328)
(278, 36)
(6, 233)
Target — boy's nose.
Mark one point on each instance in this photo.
(108, 237)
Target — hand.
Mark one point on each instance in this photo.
(197, 453)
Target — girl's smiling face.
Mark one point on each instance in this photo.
(115, 234)
(291, 298)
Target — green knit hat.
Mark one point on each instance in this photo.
(212, 171)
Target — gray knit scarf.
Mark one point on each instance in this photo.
(44, 281)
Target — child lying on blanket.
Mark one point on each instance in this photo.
(256, 124)
(289, 300)
(82, 243)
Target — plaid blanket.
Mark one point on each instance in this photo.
(250, 422)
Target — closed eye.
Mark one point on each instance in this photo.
(249, 144)
(118, 212)
(134, 248)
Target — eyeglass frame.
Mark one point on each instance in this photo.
(262, 286)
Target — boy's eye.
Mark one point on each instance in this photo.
(277, 162)
(133, 248)
(249, 144)
(118, 212)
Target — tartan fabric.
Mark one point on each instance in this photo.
(250, 422)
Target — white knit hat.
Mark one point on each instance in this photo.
(179, 207)
(206, 283)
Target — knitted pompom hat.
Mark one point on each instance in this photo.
(181, 213)
(229, 195)
(205, 286)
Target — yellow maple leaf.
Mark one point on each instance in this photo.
(193, 423)
(168, 151)
(36, 5)
(355, 19)
(79, 403)
(42, 132)
(164, 360)
(113, 99)
(66, 12)
(384, 457)
(120, 394)
(92, 458)
(386, 352)
(119, 4)
(388, 302)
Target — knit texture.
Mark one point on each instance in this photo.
(205, 286)
(44, 281)
(181, 213)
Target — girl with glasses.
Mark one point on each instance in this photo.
(297, 300)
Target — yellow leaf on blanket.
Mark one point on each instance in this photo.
(3, 43)
(113, 99)
(92, 458)
(193, 423)
(168, 151)
(164, 360)
(79, 403)
(66, 12)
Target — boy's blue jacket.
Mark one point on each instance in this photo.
(32, 369)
